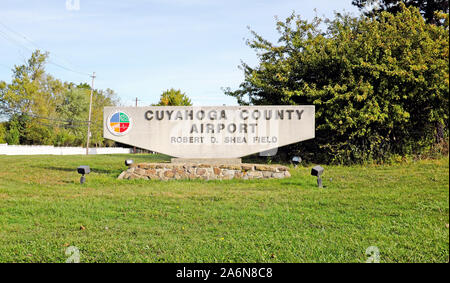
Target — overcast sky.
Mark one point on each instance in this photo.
(139, 48)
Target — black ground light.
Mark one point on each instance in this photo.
(83, 169)
(318, 171)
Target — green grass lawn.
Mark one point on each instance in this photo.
(402, 209)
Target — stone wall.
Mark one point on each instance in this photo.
(169, 171)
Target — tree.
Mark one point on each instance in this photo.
(31, 93)
(172, 97)
(73, 110)
(12, 136)
(380, 86)
(31, 89)
(2, 132)
(101, 99)
(426, 7)
(48, 111)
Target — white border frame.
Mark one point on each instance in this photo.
(109, 126)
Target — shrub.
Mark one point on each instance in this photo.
(380, 86)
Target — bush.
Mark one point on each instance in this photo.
(64, 138)
(2, 133)
(12, 136)
(380, 86)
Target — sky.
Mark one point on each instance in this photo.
(139, 48)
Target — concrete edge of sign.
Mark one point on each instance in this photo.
(191, 171)
(218, 161)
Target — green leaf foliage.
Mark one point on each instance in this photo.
(427, 8)
(380, 86)
(172, 97)
(2, 132)
(40, 109)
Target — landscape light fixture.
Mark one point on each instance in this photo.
(83, 169)
(128, 162)
(318, 171)
(296, 160)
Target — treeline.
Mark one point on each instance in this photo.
(380, 83)
(36, 108)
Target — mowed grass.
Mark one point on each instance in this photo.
(403, 210)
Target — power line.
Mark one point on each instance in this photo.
(58, 120)
(68, 69)
(31, 42)
(69, 123)
(9, 38)
(14, 41)
(5, 66)
(55, 123)
(17, 33)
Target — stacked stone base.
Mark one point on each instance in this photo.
(170, 171)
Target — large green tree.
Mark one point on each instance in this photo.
(173, 97)
(32, 93)
(428, 8)
(2, 132)
(41, 109)
(380, 86)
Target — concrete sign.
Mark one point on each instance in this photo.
(209, 131)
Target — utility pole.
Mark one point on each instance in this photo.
(90, 112)
(134, 148)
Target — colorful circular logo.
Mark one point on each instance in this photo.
(119, 123)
